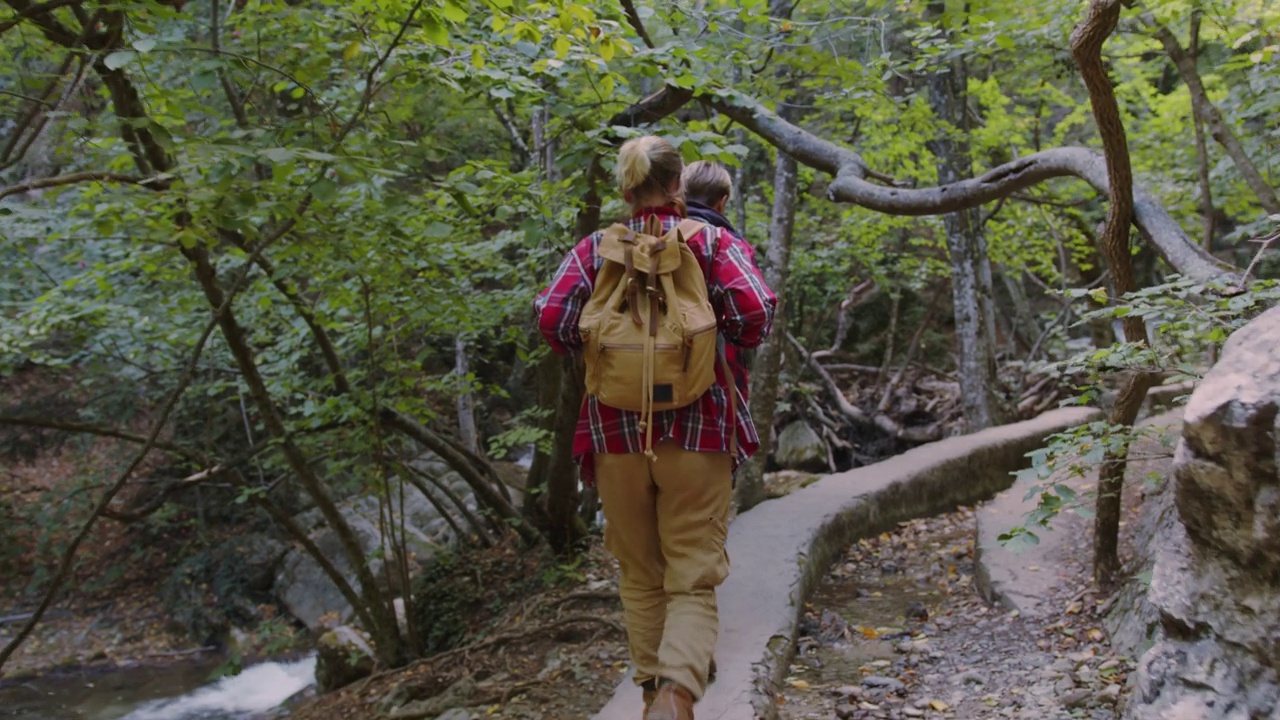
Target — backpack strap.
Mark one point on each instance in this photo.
(688, 228)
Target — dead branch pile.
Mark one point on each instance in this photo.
(865, 413)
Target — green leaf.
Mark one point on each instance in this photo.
(562, 46)
(435, 31)
(278, 155)
(454, 13)
(119, 59)
(438, 229)
(144, 45)
(324, 190)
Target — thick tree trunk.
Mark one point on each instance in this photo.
(768, 362)
(971, 284)
(1212, 117)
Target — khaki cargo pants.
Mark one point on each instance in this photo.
(665, 523)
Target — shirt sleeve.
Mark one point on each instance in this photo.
(559, 305)
(739, 293)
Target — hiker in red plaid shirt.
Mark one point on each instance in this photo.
(665, 520)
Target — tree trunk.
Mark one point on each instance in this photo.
(767, 364)
(1109, 508)
(768, 361)
(1202, 149)
(740, 184)
(1086, 48)
(466, 401)
(1024, 322)
(967, 250)
(1212, 117)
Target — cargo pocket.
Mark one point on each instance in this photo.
(716, 555)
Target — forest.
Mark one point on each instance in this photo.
(268, 267)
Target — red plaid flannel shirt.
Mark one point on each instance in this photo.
(742, 302)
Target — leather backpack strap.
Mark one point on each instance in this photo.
(688, 228)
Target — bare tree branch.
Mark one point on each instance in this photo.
(857, 415)
(851, 184)
(1211, 116)
(39, 14)
(99, 430)
(157, 501)
(154, 183)
(633, 18)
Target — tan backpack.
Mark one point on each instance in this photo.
(649, 329)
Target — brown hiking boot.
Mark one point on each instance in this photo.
(649, 689)
(672, 703)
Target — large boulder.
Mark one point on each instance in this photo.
(1216, 581)
(800, 448)
(343, 656)
(306, 591)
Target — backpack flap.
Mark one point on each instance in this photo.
(613, 247)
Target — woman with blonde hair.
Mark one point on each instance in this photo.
(665, 521)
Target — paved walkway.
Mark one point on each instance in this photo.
(781, 549)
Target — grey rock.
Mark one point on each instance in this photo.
(452, 700)
(1109, 694)
(969, 677)
(343, 656)
(800, 448)
(887, 684)
(1076, 698)
(308, 593)
(1216, 577)
(849, 691)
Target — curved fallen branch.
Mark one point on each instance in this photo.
(851, 183)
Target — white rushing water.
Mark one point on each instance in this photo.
(255, 690)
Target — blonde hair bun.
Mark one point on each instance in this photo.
(633, 162)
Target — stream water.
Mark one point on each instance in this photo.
(175, 692)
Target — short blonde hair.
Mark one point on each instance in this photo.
(706, 182)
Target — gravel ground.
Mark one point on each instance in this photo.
(897, 630)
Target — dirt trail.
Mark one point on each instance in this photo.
(897, 630)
